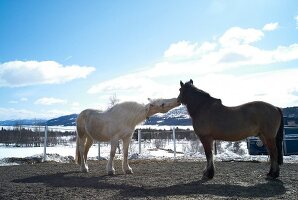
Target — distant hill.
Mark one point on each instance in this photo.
(22, 122)
(67, 120)
(177, 116)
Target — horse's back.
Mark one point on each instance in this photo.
(86, 115)
(239, 122)
(260, 110)
(259, 113)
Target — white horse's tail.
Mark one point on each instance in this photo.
(80, 132)
(78, 156)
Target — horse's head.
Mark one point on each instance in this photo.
(161, 105)
(184, 90)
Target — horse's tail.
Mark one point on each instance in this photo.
(279, 138)
(78, 156)
(79, 133)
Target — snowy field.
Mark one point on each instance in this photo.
(184, 150)
(150, 149)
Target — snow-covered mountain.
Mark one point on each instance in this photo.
(67, 120)
(176, 116)
(22, 122)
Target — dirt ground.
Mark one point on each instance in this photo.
(152, 179)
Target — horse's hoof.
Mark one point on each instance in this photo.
(272, 175)
(206, 178)
(129, 171)
(84, 170)
(111, 173)
(208, 174)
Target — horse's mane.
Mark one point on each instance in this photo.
(131, 112)
(197, 91)
(198, 98)
(128, 105)
(200, 92)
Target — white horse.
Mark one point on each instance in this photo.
(116, 123)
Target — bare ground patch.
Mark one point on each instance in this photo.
(152, 179)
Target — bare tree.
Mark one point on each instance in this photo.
(113, 100)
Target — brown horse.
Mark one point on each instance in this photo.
(213, 121)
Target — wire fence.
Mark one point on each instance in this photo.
(47, 136)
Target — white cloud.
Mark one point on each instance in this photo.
(24, 99)
(270, 26)
(276, 87)
(186, 49)
(125, 82)
(12, 113)
(75, 104)
(133, 87)
(24, 73)
(13, 102)
(232, 51)
(237, 36)
(49, 101)
(182, 48)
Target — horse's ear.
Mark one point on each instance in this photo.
(181, 84)
(191, 81)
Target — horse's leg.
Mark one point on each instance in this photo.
(272, 150)
(82, 141)
(110, 165)
(88, 144)
(125, 166)
(207, 144)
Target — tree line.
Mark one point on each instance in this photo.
(34, 137)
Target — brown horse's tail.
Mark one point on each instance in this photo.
(279, 138)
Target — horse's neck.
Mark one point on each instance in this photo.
(196, 105)
(138, 116)
(129, 113)
(192, 109)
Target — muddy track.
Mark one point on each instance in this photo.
(152, 179)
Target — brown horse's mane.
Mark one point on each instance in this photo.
(197, 99)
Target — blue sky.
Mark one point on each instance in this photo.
(60, 57)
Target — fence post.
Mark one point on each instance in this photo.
(215, 148)
(139, 140)
(45, 143)
(98, 150)
(174, 141)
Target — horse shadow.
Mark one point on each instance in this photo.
(224, 190)
(270, 188)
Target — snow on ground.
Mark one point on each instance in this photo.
(154, 149)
